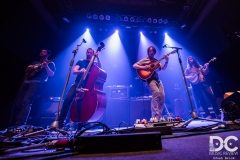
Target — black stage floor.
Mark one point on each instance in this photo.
(190, 142)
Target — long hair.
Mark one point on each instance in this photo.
(195, 63)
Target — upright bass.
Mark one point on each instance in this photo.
(89, 103)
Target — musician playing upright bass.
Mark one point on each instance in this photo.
(79, 69)
(36, 75)
(154, 83)
(196, 75)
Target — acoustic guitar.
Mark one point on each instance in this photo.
(195, 76)
(154, 65)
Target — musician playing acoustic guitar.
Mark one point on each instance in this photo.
(196, 75)
(36, 75)
(154, 83)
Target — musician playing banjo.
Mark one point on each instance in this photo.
(153, 82)
(196, 75)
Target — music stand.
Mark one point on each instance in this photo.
(193, 113)
(54, 125)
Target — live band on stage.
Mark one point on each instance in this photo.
(87, 101)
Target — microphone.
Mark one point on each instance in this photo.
(164, 46)
(84, 41)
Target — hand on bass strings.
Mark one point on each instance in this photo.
(83, 70)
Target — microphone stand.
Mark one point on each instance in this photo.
(193, 113)
(55, 123)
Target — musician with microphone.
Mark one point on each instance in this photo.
(36, 75)
(196, 74)
(151, 65)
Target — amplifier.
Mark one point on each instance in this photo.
(118, 91)
(118, 142)
(49, 108)
(117, 111)
(140, 109)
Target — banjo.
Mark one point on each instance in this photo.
(195, 77)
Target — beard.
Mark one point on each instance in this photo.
(89, 57)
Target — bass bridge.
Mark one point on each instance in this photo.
(81, 92)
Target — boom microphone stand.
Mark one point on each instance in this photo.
(193, 113)
(55, 123)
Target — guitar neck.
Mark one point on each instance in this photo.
(163, 57)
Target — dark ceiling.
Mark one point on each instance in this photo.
(126, 13)
(28, 25)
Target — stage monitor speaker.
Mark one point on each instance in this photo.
(140, 109)
(231, 106)
(117, 110)
(118, 142)
(48, 109)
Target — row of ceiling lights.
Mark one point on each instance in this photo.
(127, 18)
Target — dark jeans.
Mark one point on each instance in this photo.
(66, 104)
(199, 91)
(25, 97)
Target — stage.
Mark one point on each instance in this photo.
(190, 142)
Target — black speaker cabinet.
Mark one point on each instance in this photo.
(231, 106)
(117, 110)
(48, 109)
(140, 109)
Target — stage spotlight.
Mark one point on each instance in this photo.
(186, 8)
(89, 16)
(66, 20)
(100, 29)
(155, 32)
(138, 19)
(87, 30)
(132, 19)
(231, 106)
(101, 17)
(183, 26)
(116, 31)
(125, 18)
(149, 20)
(160, 21)
(95, 16)
(165, 21)
(165, 33)
(141, 32)
(231, 110)
(108, 17)
(117, 18)
(155, 20)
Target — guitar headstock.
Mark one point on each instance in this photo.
(213, 59)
